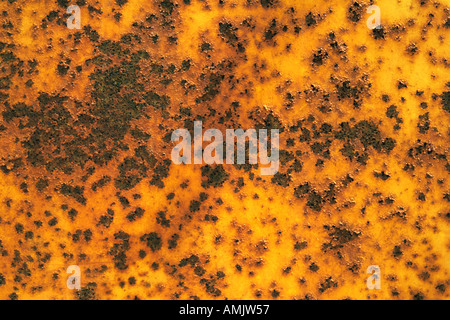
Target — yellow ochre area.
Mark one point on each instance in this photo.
(87, 179)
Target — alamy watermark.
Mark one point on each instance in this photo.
(74, 21)
(214, 152)
(74, 280)
(374, 281)
(374, 21)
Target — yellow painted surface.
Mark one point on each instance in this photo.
(258, 234)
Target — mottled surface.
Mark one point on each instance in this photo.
(86, 176)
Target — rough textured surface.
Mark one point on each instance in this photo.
(86, 176)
